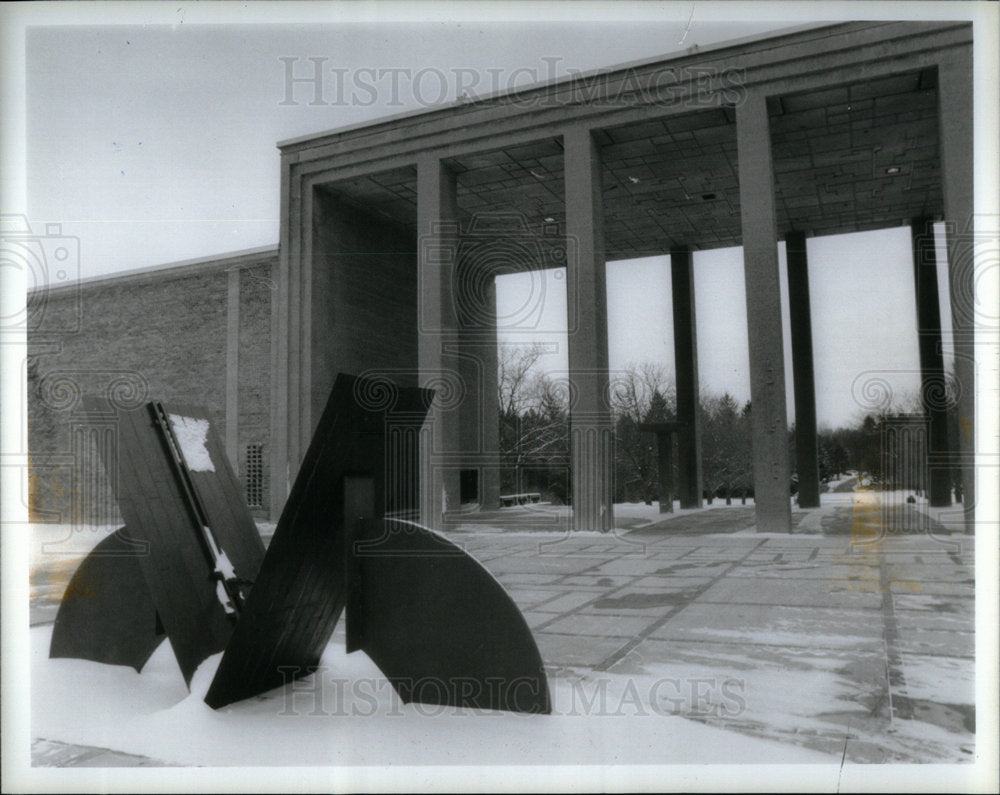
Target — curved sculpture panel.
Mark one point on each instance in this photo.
(107, 614)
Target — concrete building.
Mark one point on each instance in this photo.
(393, 232)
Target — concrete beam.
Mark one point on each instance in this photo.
(763, 297)
(955, 139)
(686, 377)
(806, 445)
(591, 431)
(437, 246)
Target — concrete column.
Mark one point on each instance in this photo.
(489, 486)
(806, 446)
(955, 139)
(686, 377)
(665, 470)
(932, 383)
(763, 296)
(283, 349)
(591, 431)
(480, 427)
(437, 237)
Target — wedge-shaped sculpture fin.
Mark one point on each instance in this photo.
(300, 590)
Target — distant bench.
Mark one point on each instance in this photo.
(508, 500)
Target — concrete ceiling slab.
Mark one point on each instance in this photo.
(849, 158)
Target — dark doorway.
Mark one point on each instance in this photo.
(469, 485)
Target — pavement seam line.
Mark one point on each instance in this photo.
(634, 578)
(614, 657)
(899, 702)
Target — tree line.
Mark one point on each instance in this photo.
(534, 435)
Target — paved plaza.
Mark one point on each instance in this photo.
(854, 636)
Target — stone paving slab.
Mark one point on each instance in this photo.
(925, 620)
(806, 570)
(568, 600)
(778, 625)
(930, 641)
(597, 580)
(559, 650)
(914, 585)
(601, 626)
(792, 591)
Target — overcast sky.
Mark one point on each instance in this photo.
(156, 143)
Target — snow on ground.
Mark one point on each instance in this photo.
(628, 516)
(49, 541)
(348, 714)
(651, 513)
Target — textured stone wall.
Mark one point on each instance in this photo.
(153, 335)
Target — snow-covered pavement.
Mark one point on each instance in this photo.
(663, 646)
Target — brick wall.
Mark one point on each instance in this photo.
(158, 334)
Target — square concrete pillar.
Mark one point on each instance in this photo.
(591, 430)
(806, 446)
(933, 391)
(957, 184)
(686, 377)
(480, 422)
(438, 340)
(663, 432)
(763, 295)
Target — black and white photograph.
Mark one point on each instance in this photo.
(516, 396)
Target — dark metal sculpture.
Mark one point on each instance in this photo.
(439, 626)
(106, 614)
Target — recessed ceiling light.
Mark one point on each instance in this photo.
(892, 170)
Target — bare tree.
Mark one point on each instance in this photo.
(516, 369)
(534, 428)
(631, 390)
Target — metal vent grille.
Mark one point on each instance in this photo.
(253, 467)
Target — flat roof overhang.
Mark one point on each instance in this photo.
(853, 114)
